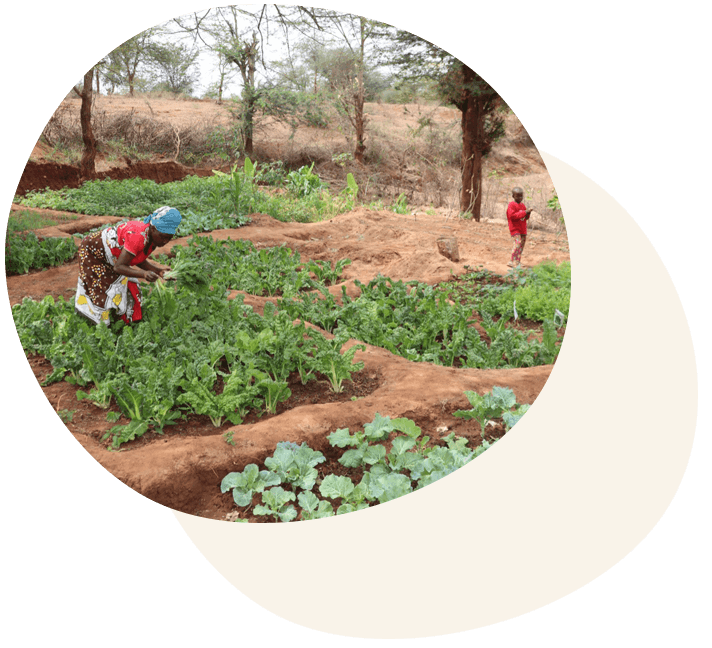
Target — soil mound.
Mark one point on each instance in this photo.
(42, 175)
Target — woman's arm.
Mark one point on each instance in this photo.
(123, 268)
(152, 267)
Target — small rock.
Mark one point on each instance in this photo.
(447, 246)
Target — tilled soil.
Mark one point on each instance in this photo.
(183, 467)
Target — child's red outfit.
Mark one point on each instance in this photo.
(516, 219)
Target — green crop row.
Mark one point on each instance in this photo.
(25, 252)
(223, 200)
(238, 265)
(410, 319)
(418, 322)
(392, 455)
(534, 293)
(194, 352)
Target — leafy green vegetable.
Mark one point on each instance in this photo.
(195, 352)
(312, 507)
(488, 406)
(336, 365)
(296, 466)
(244, 484)
(25, 252)
(275, 502)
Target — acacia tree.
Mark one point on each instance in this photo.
(225, 74)
(123, 64)
(459, 85)
(109, 73)
(477, 101)
(242, 52)
(239, 35)
(87, 168)
(234, 34)
(351, 39)
(173, 64)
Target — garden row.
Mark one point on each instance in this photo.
(199, 353)
(220, 201)
(239, 265)
(411, 319)
(389, 458)
(25, 252)
(195, 352)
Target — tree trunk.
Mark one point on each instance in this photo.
(130, 80)
(87, 169)
(359, 121)
(250, 99)
(473, 145)
(360, 130)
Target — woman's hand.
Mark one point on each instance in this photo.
(150, 276)
(154, 268)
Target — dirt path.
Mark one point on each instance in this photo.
(183, 468)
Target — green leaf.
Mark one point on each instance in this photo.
(374, 454)
(401, 445)
(341, 438)
(277, 497)
(407, 427)
(242, 497)
(308, 502)
(336, 487)
(379, 428)
(352, 458)
(325, 510)
(249, 168)
(392, 486)
(351, 183)
(504, 397)
(350, 508)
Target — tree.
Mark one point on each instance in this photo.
(123, 64)
(352, 38)
(172, 63)
(242, 52)
(87, 168)
(481, 127)
(225, 74)
(459, 85)
(109, 72)
(232, 33)
(239, 34)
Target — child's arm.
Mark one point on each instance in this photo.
(514, 213)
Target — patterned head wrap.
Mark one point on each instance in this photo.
(165, 220)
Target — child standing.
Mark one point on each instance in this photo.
(517, 217)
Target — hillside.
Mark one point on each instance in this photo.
(412, 149)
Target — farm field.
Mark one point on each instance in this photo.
(183, 467)
(310, 309)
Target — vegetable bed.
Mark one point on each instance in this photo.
(195, 337)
